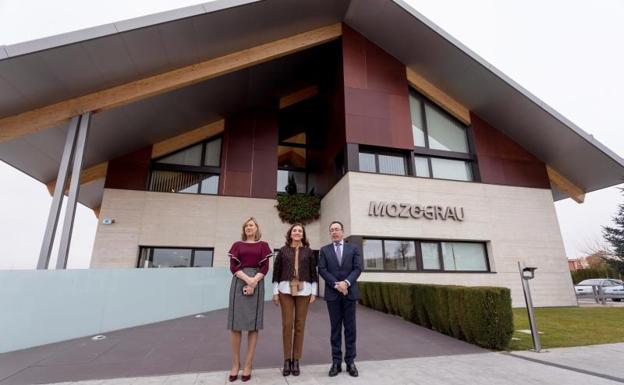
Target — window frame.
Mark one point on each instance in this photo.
(429, 153)
(376, 152)
(295, 169)
(150, 255)
(419, 261)
(205, 170)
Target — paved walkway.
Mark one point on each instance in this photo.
(594, 365)
(192, 350)
(191, 345)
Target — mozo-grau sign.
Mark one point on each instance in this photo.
(416, 211)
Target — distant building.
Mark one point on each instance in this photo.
(577, 264)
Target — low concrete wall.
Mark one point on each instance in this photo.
(38, 307)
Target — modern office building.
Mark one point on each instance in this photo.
(439, 166)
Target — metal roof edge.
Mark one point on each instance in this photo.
(54, 41)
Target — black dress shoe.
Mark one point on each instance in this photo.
(295, 368)
(352, 370)
(287, 368)
(335, 369)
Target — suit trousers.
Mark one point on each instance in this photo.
(342, 314)
(294, 313)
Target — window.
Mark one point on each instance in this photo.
(463, 256)
(284, 175)
(291, 163)
(430, 256)
(451, 169)
(373, 254)
(382, 163)
(421, 255)
(193, 170)
(399, 255)
(441, 145)
(175, 257)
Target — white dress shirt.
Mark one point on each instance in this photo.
(284, 288)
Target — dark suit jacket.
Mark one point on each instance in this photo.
(331, 272)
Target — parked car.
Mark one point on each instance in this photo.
(612, 288)
(615, 292)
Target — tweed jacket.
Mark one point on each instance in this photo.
(284, 269)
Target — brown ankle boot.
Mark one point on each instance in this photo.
(295, 368)
(287, 368)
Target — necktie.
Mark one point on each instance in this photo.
(339, 252)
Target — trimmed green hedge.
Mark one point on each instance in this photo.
(478, 315)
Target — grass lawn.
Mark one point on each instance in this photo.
(570, 326)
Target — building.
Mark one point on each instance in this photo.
(441, 168)
(577, 264)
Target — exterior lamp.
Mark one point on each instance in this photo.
(528, 272)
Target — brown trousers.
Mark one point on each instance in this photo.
(294, 312)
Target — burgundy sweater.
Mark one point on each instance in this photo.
(250, 254)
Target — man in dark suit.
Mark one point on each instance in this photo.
(339, 265)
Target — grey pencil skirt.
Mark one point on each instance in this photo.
(245, 312)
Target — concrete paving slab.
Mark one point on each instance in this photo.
(473, 369)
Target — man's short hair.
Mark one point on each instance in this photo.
(340, 223)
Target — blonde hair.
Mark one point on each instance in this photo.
(258, 233)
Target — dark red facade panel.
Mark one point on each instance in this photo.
(131, 171)
(249, 167)
(375, 93)
(502, 161)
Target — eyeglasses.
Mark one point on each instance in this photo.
(335, 230)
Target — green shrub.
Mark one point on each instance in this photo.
(407, 307)
(298, 208)
(363, 286)
(479, 315)
(455, 310)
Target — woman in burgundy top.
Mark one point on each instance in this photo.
(249, 262)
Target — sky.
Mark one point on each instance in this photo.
(565, 52)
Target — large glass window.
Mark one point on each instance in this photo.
(444, 132)
(175, 257)
(367, 162)
(441, 146)
(291, 163)
(430, 255)
(399, 255)
(418, 123)
(421, 166)
(284, 175)
(188, 157)
(383, 163)
(420, 255)
(464, 256)
(451, 169)
(193, 170)
(391, 164)
(373, 254)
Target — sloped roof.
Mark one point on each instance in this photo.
(45, 71)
